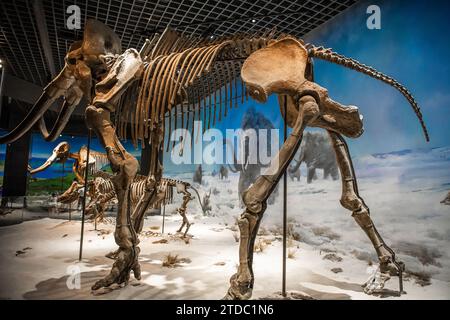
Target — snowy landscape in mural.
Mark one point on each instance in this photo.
(329, 255)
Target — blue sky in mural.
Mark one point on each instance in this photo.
(42, 149)
(412, 47)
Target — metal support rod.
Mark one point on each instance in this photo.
(164, 218)
(283, 288)
(86, 174)
(62, 177)
(2, 82)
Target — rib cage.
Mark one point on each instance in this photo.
(97, 160)
(185, 78)
(105, 188)
(101, 160)
(189, 79)
(329, 55)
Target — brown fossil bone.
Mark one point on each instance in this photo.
(72, 193)
(63, 85)
(61, 153)
(280, 68)
(175, 72)
(104, 193)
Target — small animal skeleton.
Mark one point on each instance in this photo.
(103, 191)
(186, 77)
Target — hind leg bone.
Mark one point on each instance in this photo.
(352, 201)
(255, 200)
(182, 211)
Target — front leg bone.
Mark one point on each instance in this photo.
(108, 92)
(125, 167)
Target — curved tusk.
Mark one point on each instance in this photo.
(36, 112)
(46, 164)
(60, 124)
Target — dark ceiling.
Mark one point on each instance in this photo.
(28, 57)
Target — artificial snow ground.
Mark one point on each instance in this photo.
(403, 191)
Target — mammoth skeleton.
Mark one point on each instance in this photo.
(60, 154)
(175, 77)
(101, 189)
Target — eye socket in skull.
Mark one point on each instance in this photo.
(74, 53)
(62, 151)
(72, 61)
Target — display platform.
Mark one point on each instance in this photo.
(328, 257)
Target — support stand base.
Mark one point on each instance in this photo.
(290, 295)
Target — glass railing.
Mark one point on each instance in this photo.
(14, 210)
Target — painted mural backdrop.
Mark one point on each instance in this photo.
(411, 48)
(403, 179)
(58, 177)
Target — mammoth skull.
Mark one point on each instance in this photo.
(59, 154)
(86, 63)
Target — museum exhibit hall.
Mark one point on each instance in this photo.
(224, 150)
